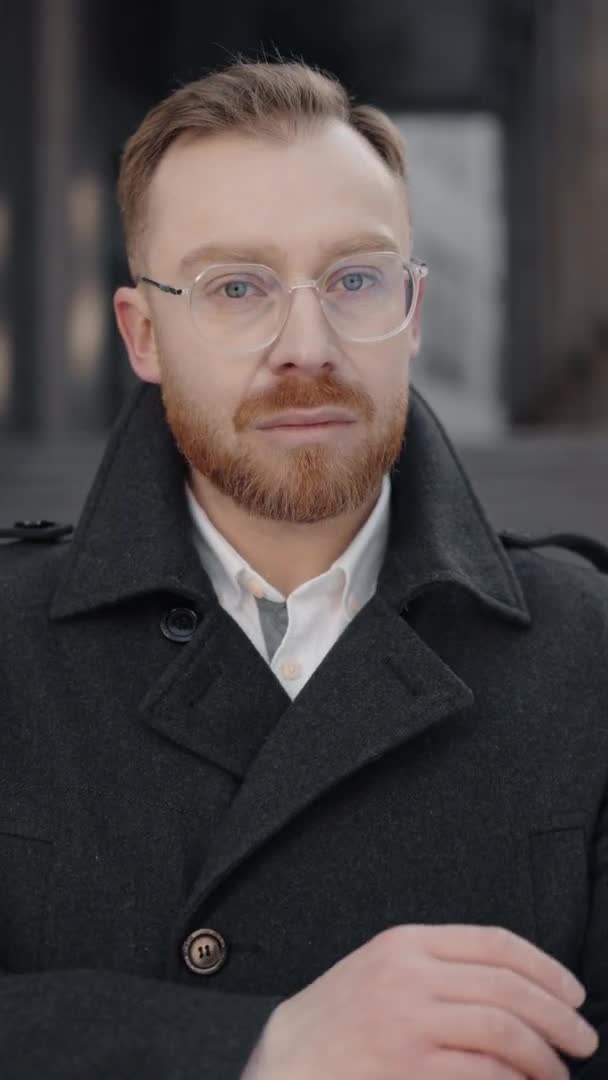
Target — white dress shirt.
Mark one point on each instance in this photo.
(294, 634)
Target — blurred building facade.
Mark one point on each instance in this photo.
(503, 103)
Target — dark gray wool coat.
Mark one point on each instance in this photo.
(446, 763)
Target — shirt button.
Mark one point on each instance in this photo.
(291, 669)
(353, 605)
(255, 587)
(204, 951)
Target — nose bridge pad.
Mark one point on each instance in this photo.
(303, 285)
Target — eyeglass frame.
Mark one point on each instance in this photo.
(417, 268)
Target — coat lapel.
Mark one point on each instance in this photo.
(349, 714)
(219, 699)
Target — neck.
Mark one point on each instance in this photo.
(285, 554)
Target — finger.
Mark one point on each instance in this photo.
(496, 1033)
(499, 947)
(460, 1065)
(549, 1016)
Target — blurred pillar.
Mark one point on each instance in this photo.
(16, 225)
(72, 192)
(54, 123)
(558, 366)
(55, 194)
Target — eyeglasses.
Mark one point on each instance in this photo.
(244, 307)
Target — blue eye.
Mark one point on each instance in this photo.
(236, 290)
(353, 281)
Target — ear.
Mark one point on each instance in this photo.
(135, 325)
(415, 327)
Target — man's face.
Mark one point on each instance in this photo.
(285, 204)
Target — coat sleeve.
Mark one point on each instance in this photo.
(593, 971)
(98, 1025)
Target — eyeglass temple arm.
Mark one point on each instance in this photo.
(159, 285)
(420, 267)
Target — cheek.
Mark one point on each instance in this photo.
(393, 365)
(184, 364)
(176, 335)
(393, 391)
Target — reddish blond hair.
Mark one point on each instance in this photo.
(273, 100)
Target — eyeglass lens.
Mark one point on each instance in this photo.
(364, 298)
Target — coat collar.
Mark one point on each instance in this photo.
(134, 535)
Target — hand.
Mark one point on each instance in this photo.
(421, 1002)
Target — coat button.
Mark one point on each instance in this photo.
(41, 530)
(40, 524)
(204, 951)
(179, 624)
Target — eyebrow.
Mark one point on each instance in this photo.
(269, 253)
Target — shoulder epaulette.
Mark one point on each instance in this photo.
(585, 546)
(39, 531)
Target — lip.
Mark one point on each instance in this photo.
(308, 418)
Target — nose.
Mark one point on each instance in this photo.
(306, 341)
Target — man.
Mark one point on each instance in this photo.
(303, 766)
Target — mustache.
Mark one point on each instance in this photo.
(300, 394)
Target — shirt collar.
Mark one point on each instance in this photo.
(356, 570)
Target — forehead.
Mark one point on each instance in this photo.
(316, 188)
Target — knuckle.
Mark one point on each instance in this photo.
(393, 937)
(391, 932)
(384, 943)
(395, 963)
(383, 955)
(502, 939)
